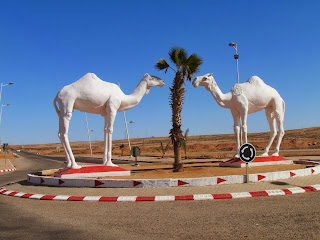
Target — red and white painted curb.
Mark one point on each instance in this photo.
(7, 170)
(274, 192)
(169, 182)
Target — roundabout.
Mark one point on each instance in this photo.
(41, 186)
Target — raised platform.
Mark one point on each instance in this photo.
(44, 180)
(91, 171)
(258, 161)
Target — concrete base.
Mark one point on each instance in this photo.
(91, 171)
(258, 161)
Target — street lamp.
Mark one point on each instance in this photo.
(2, 85)
(89, 134)
(236, 56)
(126, 123)
(2, 105)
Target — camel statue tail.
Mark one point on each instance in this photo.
(55, 105)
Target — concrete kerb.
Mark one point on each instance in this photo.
(273, 192)
(255, 178)
(169, 182)
(5, 169)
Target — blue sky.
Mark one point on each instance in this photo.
(45, 45)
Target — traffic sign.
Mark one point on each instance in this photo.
(5, 147)
(135, 151)
(247, 152)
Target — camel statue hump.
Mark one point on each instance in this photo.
(237, 90)
(255, 79)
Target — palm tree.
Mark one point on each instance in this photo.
(122, 148)
(184, 142)
(185, 68)
(163, 149)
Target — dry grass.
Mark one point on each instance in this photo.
(307, 141)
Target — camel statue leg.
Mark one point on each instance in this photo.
(244, 128)
(273, 131)
(63, 135)
(236, 127)
(279, 116)
(108, 130)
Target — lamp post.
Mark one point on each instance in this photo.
(126, 123)
(89, 134)
(236, 57)
(2, 85)
(2, 105)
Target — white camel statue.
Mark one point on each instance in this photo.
(246, 98)
(92, 95)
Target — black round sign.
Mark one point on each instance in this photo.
(247, 152)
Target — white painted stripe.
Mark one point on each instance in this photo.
(276, 192)
(317, 186)
(296, 190)
(92, 198)
(61, 197)
(36, 196)
(202, 197)
(164, 198)
(7, 192)
(19, 194)
(127, 198)
(241, 195)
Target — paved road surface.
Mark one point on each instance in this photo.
(286, 217)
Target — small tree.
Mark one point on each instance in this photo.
(184, 142)
(163, 149)
(185, 68)
(122, 148)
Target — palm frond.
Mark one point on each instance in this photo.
(194, 62)
(186, 133)
(168, 145)
(162, 64)
(183, 56)
(174, 56)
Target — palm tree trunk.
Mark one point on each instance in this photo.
(177, 93)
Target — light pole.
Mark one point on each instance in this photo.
(126, 123)
(2, 105)
(236, 57)
(2, 85)
(89, 134)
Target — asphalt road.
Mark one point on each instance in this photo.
(282, 217)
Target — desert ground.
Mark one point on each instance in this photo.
(203, 153)
(298, 142)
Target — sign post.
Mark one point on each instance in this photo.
(247, 154)
(135, 152)
(5, 150)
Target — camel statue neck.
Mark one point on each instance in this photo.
(222, 99)
(133, 99)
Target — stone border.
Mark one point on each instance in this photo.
(7, 170)
(276, 192)
(169, 182)
(10, 169)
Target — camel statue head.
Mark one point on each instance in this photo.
(152, 81)
(205, 80)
